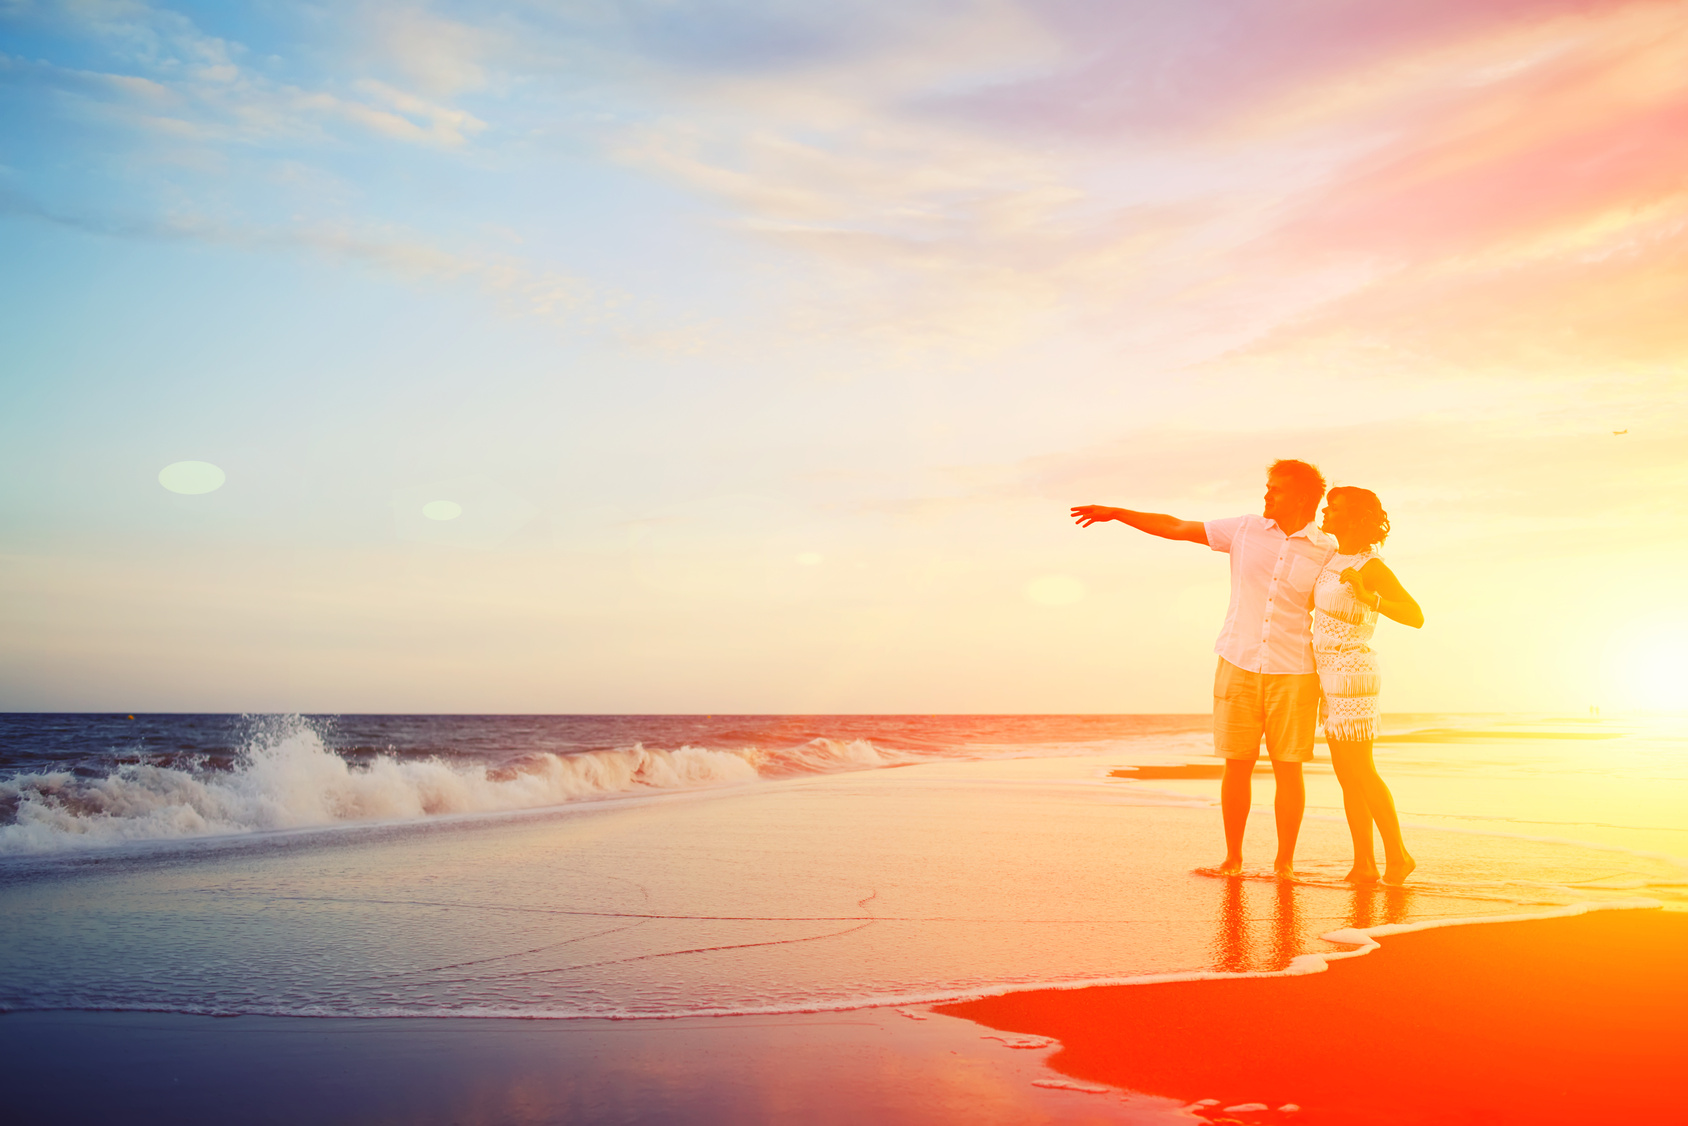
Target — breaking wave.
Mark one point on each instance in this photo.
(287, 778)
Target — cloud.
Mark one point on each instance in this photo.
(937, 183)
(1545, 149)
(1132, 69)
(1340, 173)
(740, 36)
(441, 56)
(569, 301)
(170, 77)
(1530, 226)
(907, 235)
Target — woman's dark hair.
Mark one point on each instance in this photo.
(1366, 510)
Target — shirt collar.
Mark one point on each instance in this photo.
(1308, 532)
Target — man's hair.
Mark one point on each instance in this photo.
(1306, 479)
(1369, 518)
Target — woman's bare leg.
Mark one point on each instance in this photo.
(1380, 805)
(1397, 862)
(1348, 762)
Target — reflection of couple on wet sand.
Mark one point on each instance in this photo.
(1304, 602)
(1249, 940)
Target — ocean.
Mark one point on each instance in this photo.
(628, 867)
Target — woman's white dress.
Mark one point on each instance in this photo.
(1348, 672)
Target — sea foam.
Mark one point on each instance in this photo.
(287, 778)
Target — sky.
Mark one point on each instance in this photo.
(760, 347)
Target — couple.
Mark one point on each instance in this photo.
(1277, 666)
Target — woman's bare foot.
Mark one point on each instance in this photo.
(1362, 874)
(1284, 869)
(1397, 871)
(1233, 866)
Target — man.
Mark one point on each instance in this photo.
(1265, 684)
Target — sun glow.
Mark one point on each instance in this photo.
(1653, 670)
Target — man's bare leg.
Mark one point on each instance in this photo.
(1288, 805)
(1236, 796)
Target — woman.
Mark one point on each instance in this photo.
(1348, 595)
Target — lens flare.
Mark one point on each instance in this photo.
(442, 510)
(191, 477)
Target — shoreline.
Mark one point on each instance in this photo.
(1571, 1019)
(1363, 941)
(1576, 1017)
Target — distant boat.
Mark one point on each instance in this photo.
(1625, 430)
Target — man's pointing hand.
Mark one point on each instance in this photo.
(1088, 514)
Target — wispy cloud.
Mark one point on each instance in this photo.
(1339, 172)
(1201, 184)
(169, 77)
(1531, 222)
(568, 301)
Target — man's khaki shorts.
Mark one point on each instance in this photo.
(1247, 705)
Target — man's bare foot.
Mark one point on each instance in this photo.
(1397, 871)
(1233, 866)
(1284, 869)
(1362, 874)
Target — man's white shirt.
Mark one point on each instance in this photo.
(1269, 627)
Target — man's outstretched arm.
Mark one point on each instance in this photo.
(1155, 523)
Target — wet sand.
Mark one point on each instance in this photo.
(1572, 1020)
(873, 1066)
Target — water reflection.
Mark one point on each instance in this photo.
(1378, 905)
(1259, 926)
(1231, 946)
(1262, 926)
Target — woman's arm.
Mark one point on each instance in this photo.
(1376, 585)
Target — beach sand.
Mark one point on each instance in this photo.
(871, 1066)
(1573, 1020)
(1562, 1020)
